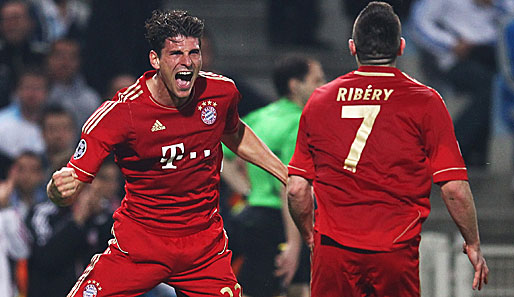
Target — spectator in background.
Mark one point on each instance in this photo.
(13, 237)
(460, 36)
(19, 49)
(118, 82)
(265, 225)
(63, 18)
(26, 179)
(60, 136)
(65, 239)
(24, 115)
(67, 85)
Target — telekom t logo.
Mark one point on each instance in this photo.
(177, 153)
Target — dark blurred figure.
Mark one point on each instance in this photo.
(65, 239)
(294, 22)
(112, 40)
(68, 86)
(62, 18)
(457, 40)
(19, 48)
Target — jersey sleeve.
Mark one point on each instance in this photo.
(443, 151)
(301, 163)
(232, 122)
(108, 126)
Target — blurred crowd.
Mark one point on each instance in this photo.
(60, 59)
(55, 70)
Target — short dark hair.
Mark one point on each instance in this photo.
(35, 71)
(56, 109)
(171, 23)
(377, 33)
(31, 154)
(287, 68)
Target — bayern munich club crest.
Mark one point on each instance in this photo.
(91, 289)
(208, 112)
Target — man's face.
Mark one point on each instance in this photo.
(179, 64)
(58, 132)
(15, 23)
(64, 61)
(314, 79)
(32, 91)
(28, 173)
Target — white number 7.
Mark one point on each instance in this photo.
(369, 113)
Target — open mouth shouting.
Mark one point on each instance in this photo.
(184, 80)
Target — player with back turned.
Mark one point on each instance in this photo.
(165, 131)
(370, 143)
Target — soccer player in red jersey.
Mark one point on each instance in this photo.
(370, 143)
(165, 131)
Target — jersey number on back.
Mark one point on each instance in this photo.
(368, 113)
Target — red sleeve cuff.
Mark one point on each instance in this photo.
(292, 170)
(83, 175)
(456, 173)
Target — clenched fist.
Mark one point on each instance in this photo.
(63, 187)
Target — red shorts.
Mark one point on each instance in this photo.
(137, 260)
(339, 271)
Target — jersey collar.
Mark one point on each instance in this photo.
(377, 71)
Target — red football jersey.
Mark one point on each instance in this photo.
(170, 157)
(372, 141)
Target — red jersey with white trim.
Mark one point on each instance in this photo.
(170, 157)
(372, 141)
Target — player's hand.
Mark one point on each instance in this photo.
(287, 263)
(63, 186)
(478, 261)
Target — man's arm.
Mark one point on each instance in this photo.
(235, 176)
(289, 258)
(64, 187)
(248, 146)
(301, 206)
(459, 201)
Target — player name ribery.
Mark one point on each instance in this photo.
(355, 94)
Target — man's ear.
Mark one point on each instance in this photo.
(154, 59)
(351, 46)
(292, 85)
(402, 47)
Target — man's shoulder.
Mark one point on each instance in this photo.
(215, 79)
(9, 113)
(212, 84)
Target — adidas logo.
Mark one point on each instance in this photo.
(157, 126)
